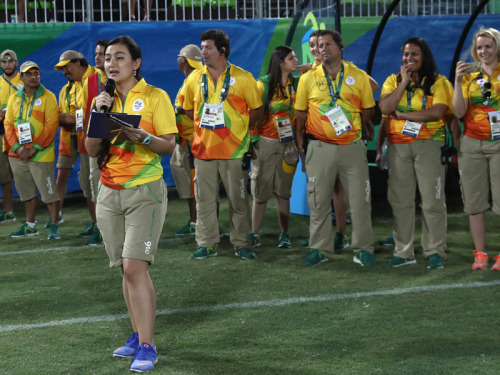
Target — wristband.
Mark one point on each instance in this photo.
(147, 140)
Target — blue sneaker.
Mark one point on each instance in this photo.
(145, 358)
(128, 350)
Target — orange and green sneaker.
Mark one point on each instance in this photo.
(480, 260)
(496, 266)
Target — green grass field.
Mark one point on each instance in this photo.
(61, 307)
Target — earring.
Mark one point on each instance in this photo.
(135, 73)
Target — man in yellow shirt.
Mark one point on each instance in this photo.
(31, 124)
(10, 83)
(224, 103)
(71, 137)
(334, 101)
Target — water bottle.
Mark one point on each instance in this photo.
(384, 159)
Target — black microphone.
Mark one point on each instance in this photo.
(109, 87)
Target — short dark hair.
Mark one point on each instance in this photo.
(102, 42)
(337, 38)
(220, 39)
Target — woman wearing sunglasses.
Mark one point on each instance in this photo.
(476, 98)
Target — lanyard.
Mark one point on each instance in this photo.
(10, 83)
(68, 98)
(334, 93)
(225, 87)
(31, 107)
(409, 90)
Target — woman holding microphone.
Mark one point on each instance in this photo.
(416, 99)
(132, 197)
(476, 99)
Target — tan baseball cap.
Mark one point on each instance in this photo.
(27, 65)
(192, 53)
(66, 57)
(7, 55)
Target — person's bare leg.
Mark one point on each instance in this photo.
(283, 206)
(7, 192)
(141, 297)
(477, 224)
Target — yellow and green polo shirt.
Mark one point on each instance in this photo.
(313, 96)
(231, 141)
(132, 163)
(71, 98)
(476, 121)
(184, 123)
(434, 130)
(44, 122)
(280, 107)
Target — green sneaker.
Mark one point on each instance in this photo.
(284, 241)
(186, 229)
(24, 231)
(95, 239)
(54, 233)
(245, 254)
(60, 220)
(435, 261)
(7, 217)
(89, 231)
(203, 252)
(315, 257)
(305, 243)
(398, 262)
(341, 241)
(254, 239)
(365, 258)
(388, 241)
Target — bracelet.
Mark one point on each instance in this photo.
(147, 140)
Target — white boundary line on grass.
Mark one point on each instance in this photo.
(65, 248)
(254, 304)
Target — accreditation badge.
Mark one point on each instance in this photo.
(24, 132)
(338, 120)
(285, 130)
(494, 118)
(79, 119)
(213, 116)
(411, 128)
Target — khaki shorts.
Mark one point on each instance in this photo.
(95, 176)
(270, 174)
(479, 167)
(5, 171)
(68, 162)
(131, 220)
(32, 176)
(84, 175)
(181, 172)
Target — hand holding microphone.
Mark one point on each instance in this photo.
(104, 102)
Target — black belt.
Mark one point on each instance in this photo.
(311, 137)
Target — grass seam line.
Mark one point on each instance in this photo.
(254, 304)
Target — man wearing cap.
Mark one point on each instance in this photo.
(182, 163)
(93, 86)
(224, 102)
(10, 84)
(31, 124)
(71, 119)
